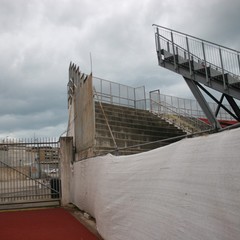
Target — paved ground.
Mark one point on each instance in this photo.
(46, 224)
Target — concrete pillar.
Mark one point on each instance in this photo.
(66, 157)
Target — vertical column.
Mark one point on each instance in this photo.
(173, 50)
(205, 62)
(158, 47)
(203, 103)
(189, 57)
(238, 58)
(222, 66)
(66, 157)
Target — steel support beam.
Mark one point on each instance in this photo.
(203, 103)
(234, 106)
(220, 105)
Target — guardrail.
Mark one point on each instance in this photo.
(177, 117)
(118, 94)
(223, 59)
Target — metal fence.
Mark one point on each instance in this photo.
(173, 113)
(29, 170)
(118, 94)
(188, 106)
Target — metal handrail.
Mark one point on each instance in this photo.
(193, 55)
(188, 35)
(109, 96)
(198, 58)
(105, 117)
(226, 60)
(194, 123)
(120, 99)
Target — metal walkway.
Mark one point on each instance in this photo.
(202, 64)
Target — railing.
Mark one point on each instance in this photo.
(223, 59)
(192, 108)
(118, 94)
(178, 117)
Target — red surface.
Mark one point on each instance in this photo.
(224, 123)
(45, 224)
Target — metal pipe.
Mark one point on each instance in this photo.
(173, 49)
(223, 75)
(189, 60)
(158, 47)
(205, 62)
(238, 57)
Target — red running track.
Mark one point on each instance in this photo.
(44, 224)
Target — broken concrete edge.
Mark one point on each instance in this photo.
(84, 218)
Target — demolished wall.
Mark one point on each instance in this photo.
(81, 125)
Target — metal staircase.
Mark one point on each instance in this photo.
(202, 64)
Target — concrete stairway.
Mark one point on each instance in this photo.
(186, 123)
(129, 127)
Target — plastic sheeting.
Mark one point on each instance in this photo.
(186, 190)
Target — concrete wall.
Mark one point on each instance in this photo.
(66, 155)
(81, 110)
(84, 123)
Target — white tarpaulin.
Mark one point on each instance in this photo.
(186, 190)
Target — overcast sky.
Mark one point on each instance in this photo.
(39, 38)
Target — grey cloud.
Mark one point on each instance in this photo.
(215, 20)
(40, 38)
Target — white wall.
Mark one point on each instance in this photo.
(187, 190)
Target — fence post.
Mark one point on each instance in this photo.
(173, 49)
(158, 47)
(205, 62)
(189, 57)
(134, 91)
(238, 58)
(66, 158)
(222, 66)
(145, 100)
